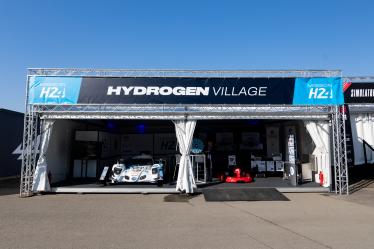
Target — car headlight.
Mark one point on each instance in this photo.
(143, 177)
(154, 171)
(127, 177)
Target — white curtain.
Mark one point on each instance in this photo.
(319, 132)
(40, 181)
(184, 130)
(362, 129)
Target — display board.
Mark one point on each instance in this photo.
(289, 129)
(157, 90)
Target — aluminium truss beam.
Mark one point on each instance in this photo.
(180, 73)
(361, 108)
(191, 112)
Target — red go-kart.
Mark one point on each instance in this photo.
(237, 177)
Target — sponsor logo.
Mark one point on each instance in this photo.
(19, 150)
(362, 93)
(52, 90)
(320, 93)
(346, 85)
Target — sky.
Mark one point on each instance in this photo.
(194, 34)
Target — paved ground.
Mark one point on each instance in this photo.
(147, 221)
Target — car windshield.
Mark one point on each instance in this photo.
(139, 162)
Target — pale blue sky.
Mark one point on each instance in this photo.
(182, 35)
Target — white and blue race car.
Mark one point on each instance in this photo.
(140, 169)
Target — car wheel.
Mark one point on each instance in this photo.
(160, 183)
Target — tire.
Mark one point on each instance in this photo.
(160, 183)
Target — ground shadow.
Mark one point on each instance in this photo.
(9, 186)
(360, 177)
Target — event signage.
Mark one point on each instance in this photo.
(358, 92)
(156, 90)
(318, 91)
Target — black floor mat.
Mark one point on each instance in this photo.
(243, 194)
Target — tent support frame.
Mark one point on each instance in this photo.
(339, 150)
(29, 151)
(33, 114)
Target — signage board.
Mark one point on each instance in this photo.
(156, 90)
(358, 92)
(318, 91)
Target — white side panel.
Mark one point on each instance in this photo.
(58, 155)
(320, 133)
(362, 125)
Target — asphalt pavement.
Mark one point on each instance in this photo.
(308, 220)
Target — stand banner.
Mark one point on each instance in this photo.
(357, 92)
(156, 90)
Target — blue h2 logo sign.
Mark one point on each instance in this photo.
(318, 91)
(54, 90)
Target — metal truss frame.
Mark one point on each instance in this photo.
(359, 79)
(180, 73)
(340, 149)
(197, 112)
(361, 108)
(173, 112)
(29, 152)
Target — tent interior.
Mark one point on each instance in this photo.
(79, 150)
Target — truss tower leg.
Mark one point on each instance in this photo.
(339, 147)
(29, 151)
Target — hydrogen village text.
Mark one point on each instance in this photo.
(187, 91)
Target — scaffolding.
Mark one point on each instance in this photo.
(33, 114)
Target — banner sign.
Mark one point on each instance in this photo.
(358, 92)
(318, 91)
(148, 90)
(54, 90)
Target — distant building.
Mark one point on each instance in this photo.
(11, 130)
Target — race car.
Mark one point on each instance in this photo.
(141, 169)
